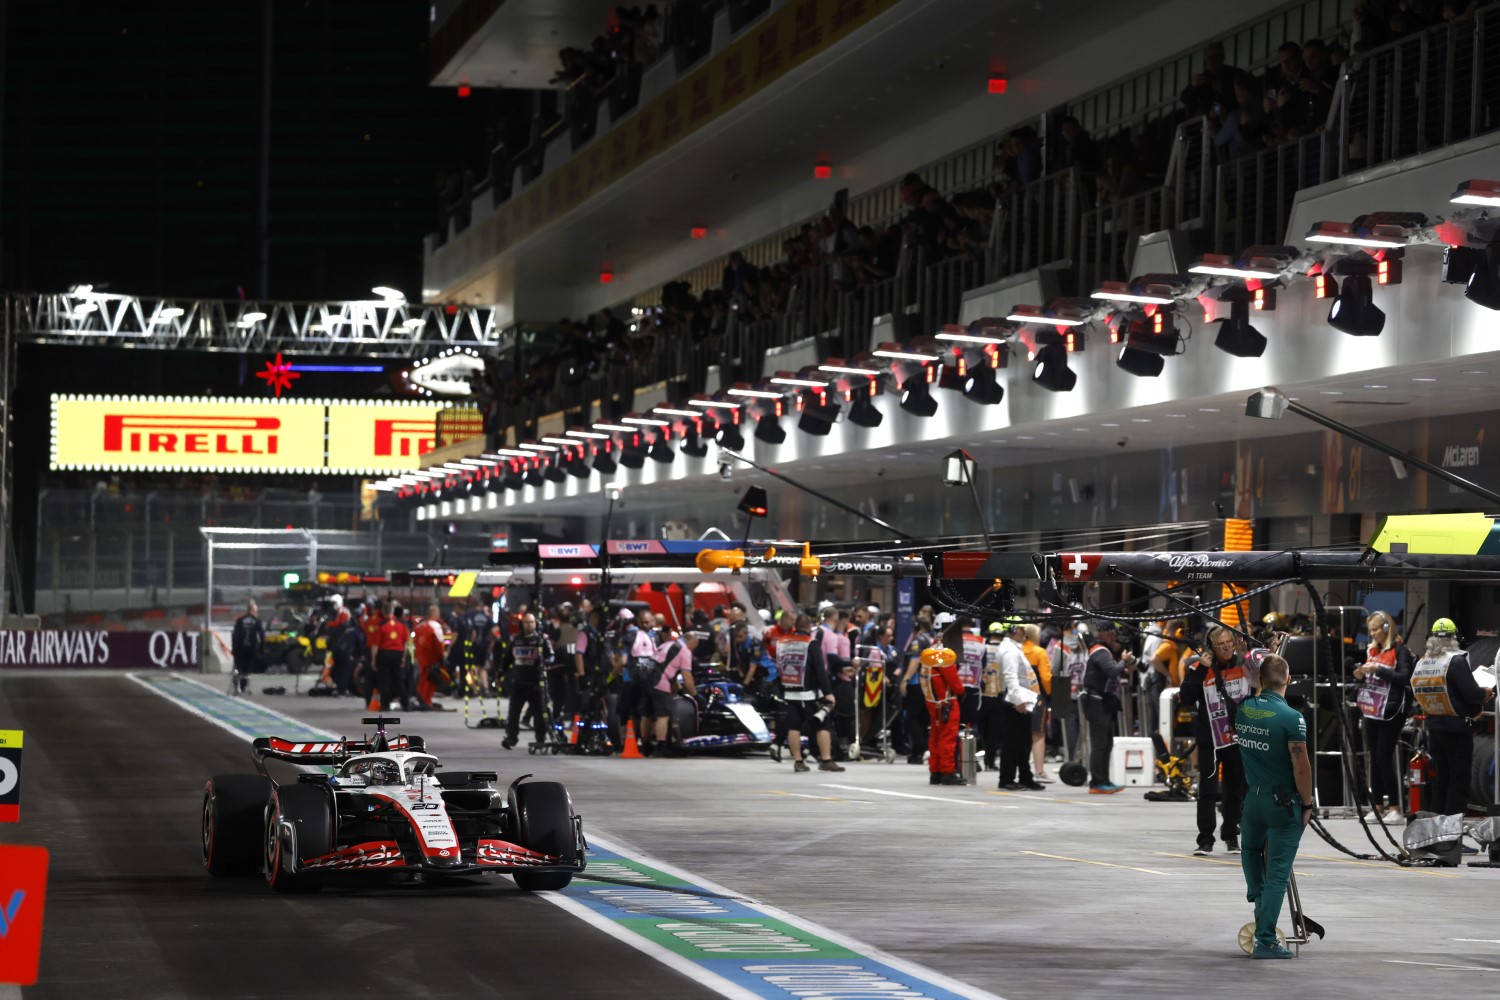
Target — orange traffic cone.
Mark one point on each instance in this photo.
(374, 705)
(573, 736)
(632, 749)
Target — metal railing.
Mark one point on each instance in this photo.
(375, 328)
(98, 550)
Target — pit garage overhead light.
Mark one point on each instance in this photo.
(768, 428)
(799, 379)
(729, 436)
(1036, 315)
(837, 367)
(251, 318)
(898, 352)
(645, 421)
(604, 462)
(1148, 289)
(1225, 266)
(673, 411)
(389, 295)
(554, 473)
(660, 451)
(693, 443)
(819, 414)
(916, 395)
(707, 403)
(170, 313)
(1353, 310)
(1478, 270)
(961, 335)
(590, 435)
(1378, 229)
(1236, 336)
(1476, 192)
(562, 442)
(862, 409)
(614, 428)
(534, 446)
(747, 392)
(1051, 371)
(982, 385)
(506, 453)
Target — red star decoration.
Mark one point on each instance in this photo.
(278, 375)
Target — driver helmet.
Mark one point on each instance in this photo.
(337, 600)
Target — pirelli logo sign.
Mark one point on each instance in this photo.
(335, 437)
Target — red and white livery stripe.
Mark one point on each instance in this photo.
(503, 852)
(373, 854)
(435, 833)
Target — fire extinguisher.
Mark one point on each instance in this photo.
(1416, 781)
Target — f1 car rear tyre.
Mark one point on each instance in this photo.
(685, 716)
(234, 807)
(543, 817)
(308, 809)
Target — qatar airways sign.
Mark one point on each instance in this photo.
(67, 648)
(158, 433)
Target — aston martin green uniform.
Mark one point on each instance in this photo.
(1271, 828)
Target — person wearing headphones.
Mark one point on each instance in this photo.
(1444, 687)
(1384, 691)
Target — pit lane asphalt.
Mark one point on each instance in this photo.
(111, 785)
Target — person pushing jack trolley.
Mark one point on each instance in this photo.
(1279, 804)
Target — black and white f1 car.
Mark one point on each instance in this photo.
(386, 808)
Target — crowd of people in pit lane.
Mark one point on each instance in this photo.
(1026, 691)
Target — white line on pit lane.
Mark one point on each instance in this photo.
(910, 795)
(1444, 966)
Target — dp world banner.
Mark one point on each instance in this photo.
(205, 434)
(79, 648)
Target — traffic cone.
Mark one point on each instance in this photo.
(573, 735)
(374, 705)
(632, 749)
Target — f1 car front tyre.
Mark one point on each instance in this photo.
(543, 817)
(234, 806)
(308, 809)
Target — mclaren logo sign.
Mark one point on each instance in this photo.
(240, 435)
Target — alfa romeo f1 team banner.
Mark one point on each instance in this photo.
(70, 648)
(202, 434)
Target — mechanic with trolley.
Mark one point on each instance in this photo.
(528, 655)
(808, 691)
(1272, 742)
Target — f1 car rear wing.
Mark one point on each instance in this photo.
(331, 752)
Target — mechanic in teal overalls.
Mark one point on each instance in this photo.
(1278, 774)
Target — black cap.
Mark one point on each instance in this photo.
(1103, 625)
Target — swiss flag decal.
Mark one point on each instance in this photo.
(1074, 567)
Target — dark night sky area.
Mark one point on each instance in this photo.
(132, 146)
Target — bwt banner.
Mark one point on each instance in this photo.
(68, 648)
(160, 433)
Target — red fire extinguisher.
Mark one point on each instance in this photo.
(1416, 781)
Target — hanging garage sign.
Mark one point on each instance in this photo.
(205, 434)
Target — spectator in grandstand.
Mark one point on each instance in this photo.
(1019, 160)
(741, 279)
(1211, 92)
(1244, 128)
(1080, 151)
(1122, 175)
(1291, 100)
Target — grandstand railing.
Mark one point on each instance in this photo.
(1438, 86)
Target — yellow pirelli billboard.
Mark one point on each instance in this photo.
(373, 437)
(205, 434)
